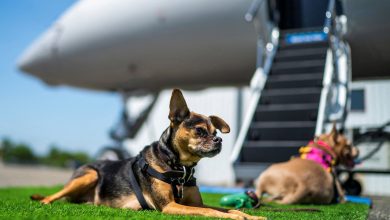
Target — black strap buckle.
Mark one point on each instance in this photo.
(181, 181)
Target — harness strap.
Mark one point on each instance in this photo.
(336, 195)
(324, 145)
(136, 187)
(176, 178)
(319, 152)
(166, 176)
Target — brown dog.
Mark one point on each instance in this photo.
(309, 179)
(160, 177)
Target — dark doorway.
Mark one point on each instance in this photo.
(296, 14)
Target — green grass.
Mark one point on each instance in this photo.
(15, 204)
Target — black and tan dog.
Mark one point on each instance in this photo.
(160, 177)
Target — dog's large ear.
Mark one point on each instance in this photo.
(334, 133)
(220, 124)
(178, 110)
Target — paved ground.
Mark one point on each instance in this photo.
(381, 208)
(21, 175)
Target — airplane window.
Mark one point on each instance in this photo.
(357, 100)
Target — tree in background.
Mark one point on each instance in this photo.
(12, 152)
(57, 157)
(19, 153)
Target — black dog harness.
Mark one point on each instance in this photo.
(177, 178)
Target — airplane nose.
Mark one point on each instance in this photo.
(39, 58)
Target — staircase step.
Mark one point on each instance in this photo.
(306, 70)
(298, 130)
(295, 77)
(301, 54)
(283, 124)
(276, 143)
(298, 70)
(298, 64)
(290, 96)
(268, 154)
(294, 80)
(288, 112)
(286, 107)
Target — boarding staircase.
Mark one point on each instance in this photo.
(286, 114)
(299, 89)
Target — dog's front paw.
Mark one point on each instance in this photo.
(237, 217)
(258, 218)
(45, 201)
(252, 217)
(246, 216)
(249, 217)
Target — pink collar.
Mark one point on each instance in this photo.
(324, 145)
(318, 155)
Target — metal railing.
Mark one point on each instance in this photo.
(253, 9)
(334, 101)
(265, 52)
(329, 15)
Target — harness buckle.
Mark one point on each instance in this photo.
(181, 181)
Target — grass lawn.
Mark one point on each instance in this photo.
(15, 204)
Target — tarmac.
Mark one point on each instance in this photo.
(380, 209)
(22, 175)
(30, 175)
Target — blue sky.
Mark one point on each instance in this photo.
(35, 113)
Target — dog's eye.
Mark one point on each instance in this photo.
(201, 131)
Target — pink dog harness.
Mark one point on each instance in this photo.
(318, 155)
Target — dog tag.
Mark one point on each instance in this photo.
(180, 190)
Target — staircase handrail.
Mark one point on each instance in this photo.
(337, 81)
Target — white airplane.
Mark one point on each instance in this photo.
(129, 45)
(146, 45)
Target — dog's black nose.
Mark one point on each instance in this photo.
(217, 140)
